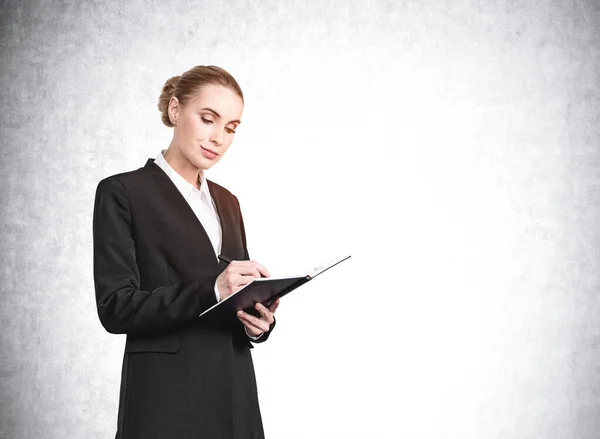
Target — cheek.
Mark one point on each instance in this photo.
(196, 130)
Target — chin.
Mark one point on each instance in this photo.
(203, 163)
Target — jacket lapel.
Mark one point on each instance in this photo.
(189, 221)
(227, 217)
(181, 214)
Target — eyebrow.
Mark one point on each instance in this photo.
(218, 115)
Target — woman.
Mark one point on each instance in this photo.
(162, 234)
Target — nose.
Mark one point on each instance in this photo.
(217, 136)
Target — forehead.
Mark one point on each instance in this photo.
(220, 99)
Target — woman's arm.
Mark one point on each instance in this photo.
(122, 306)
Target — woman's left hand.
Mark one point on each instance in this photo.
(256, 326)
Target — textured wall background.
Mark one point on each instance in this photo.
(453, 147)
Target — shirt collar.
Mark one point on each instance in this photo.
(185, 187)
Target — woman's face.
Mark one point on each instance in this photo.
(205, 125)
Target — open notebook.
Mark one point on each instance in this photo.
(268, 289)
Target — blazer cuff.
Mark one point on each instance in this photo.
(253, 337)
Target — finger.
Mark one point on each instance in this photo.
(235, 283)
(241, 280)
(274, 306)
(253, 321)
(262, 270)
(249, 268)
(265, 312)
(259, 322)
(255, 329)
(250, 328)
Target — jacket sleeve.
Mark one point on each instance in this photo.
(123, 307)
(265, 335)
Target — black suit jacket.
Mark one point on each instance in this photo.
(154, 271)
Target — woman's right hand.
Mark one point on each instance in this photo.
(238, 274)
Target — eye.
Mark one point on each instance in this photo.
(207, 121)
(229, 130)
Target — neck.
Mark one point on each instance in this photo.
(182, 166)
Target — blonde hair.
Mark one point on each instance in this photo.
(189, 84)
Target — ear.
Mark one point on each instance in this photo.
(173, 110)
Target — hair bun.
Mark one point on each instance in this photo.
(188, 86)
(168, 91)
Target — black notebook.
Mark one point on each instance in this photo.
(266, 290)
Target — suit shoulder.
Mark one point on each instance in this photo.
(123, 179)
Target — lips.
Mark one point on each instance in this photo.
(209, 153)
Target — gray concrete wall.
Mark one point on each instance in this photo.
(453, 147)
